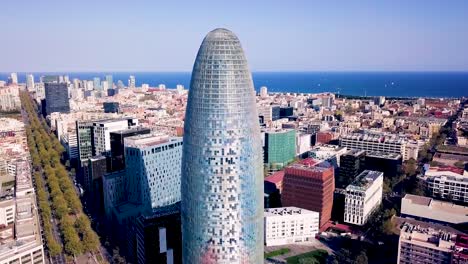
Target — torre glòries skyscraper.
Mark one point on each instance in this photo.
(222, 175)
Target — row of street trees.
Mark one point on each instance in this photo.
(59, 199)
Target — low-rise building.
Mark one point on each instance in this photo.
(428, 209)
(448, 183)
(363, 196)
(374, 141)
(289, 225)
(425, 245)
(20, 231)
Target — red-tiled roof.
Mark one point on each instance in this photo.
(447, 168)
(275, 177)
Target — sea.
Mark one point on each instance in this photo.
(390, 84)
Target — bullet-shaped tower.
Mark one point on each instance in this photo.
(222, 175)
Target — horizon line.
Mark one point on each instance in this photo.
(254, 71)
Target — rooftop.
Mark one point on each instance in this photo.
(428, 208)
(149, 140)
(288, 211)
(383, 155)
(428, 237)
(275, 177)
(355, 152)
(130, 130)
(310, 165)
(375, 137)
(364, 180)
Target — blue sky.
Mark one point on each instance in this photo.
(163, 35)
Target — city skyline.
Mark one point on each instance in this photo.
(307, 36)
(145, 132)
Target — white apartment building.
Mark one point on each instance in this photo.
(447, 183)
(363, 196)
(40, 91)
(303, 143)
(131, 82)
(7, 212)
(263, 92)
(30, 82)
(289, 225)
(9, 98)
(102, 129)
(14, 78)
(384, 142)
(153, 170)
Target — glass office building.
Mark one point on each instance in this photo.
(222, 177)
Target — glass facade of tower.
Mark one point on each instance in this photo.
(222, 175)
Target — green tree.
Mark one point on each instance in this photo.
(308, 261)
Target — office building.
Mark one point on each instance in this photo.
(85, 140)
(263, 92)
(102, 130)
(286, 112)
(114, 193)
(310, 185)
(269, 113)
(379, 100)
(426, 244)
(388, 163)
(327, 101)
(13, 78)
(363, 196)
(92, 181)
(117, 146)
(380, 142)
(290, 225)
(447, 183)
(40, 91)
(97, 83)
(30, 82)
(275, 112)
(430, 210)
(153, 164)
(280, 148)
(351, 165)
(56, 98)
(111, 107)
(104, 87)
(110, 81)
(131, 82)
(222, 175)
(159, 236)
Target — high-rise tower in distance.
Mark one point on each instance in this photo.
(222, 177)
